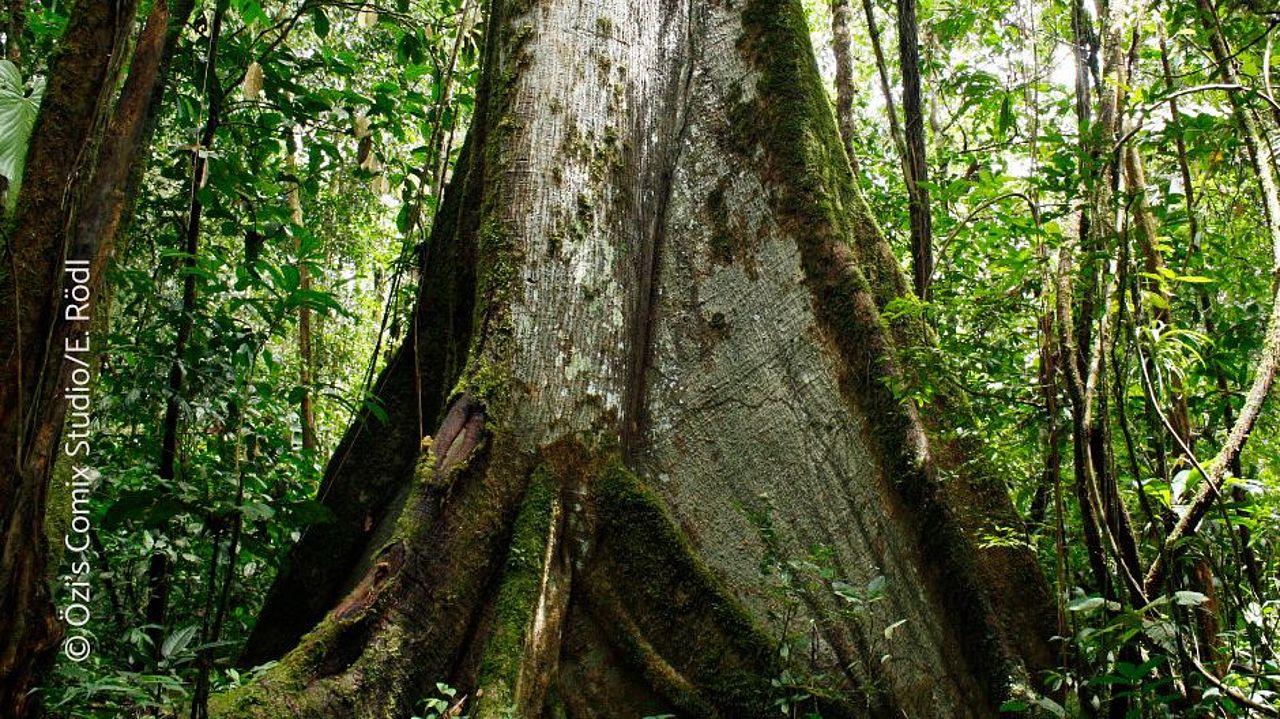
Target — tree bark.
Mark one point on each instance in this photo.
(17, 25)
(917, 175)
(674, 380)
(306, 412)
(72, 204)
(33, 330)
(842, 49)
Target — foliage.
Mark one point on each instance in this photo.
(1010, 172)
(337, 125)
(445, 705)
(353, 117)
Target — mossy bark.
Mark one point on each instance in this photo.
(77, 192)
(671, 460)
(363, 483)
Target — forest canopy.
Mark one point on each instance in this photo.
(666, 358)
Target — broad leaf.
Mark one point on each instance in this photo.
(176, 642)
(17, 118)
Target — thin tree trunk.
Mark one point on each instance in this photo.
(1084, 50)
(842, 49)
(1075, 332)
(17, 25)
(1082, 466)
(1098, 230)
(917, 175)
(159, 566)
(882, 71)
(306, 379)
(306, 413)
(585, 529)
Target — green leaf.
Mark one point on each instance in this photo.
(1051, 706)
(889, 630)
(17, 117)
(251, 11)
(176, 642)
(1182, 481)
(876, 585)
(1086, 604)
(150, 507)
(320, 22)
(1155, 300)
(310, 511)
(377, 411)
(1005, 118)
(1145, 668)
(291, 278)
(254, 511)
(315, 300)
(1189, 599)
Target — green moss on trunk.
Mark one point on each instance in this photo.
(673, 619)
(852, 275)
(517, 599)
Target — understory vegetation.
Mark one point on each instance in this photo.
(1085, 194)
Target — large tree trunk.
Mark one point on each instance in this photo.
(676, 380)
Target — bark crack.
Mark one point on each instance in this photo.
(634, 420)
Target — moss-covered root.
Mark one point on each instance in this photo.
(600, 603)
(667, 618)
(522, 649)
(642, 628)
(406, 623)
